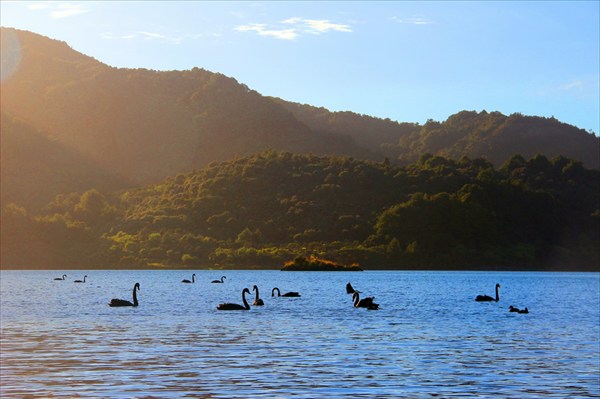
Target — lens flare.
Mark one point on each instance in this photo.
(10, 55)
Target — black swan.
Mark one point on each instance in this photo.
(218, 281)
(487, 298)
(122, 302)
(257, 300)
(81, 281)
(188, 281)
(350, 289)
(517, 310)
(288, 294)
(365, 302)
(235, 306)
(60, 279)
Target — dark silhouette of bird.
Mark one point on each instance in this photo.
(257, 300)
(235, 306)
(487, 298)
(365, 302)
(287, 294)
(122, 302)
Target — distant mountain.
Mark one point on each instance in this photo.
(489, 135)
(145, 125)
(115, 127)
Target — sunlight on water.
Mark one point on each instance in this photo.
(429, 338)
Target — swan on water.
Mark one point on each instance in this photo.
(61, 278)
(365, 302)
(349, 289)
(287, 294)
(487, 298)
(257, 300)
(188, 281)
(517, 310)
(81, 281)
(235, 306)
(123, 302)
(219, 281)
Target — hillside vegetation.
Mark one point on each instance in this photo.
(140, 126)
(263, 210)
(113, 167)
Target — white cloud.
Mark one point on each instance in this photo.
(294, 27)
(65, 10)
(284, 34)
(38, 6)
(574, 85)
(319, 26)
(586, 86)
(413, 20)
(147, 36)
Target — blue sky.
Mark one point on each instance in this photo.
(407, 61)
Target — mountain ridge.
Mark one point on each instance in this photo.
(140, 126)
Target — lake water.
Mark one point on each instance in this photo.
(428, 339)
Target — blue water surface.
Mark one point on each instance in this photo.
(429, 338)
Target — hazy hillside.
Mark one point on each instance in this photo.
(35, 168)
(145, 125)
(490, 135)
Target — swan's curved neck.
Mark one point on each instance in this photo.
(497, 296)
(256, 289)
(244, 300)
(193, 278)
(356, 298)
(135, 301)
(273, 292)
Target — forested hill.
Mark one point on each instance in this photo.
(145, 125)
(272, 207)
(489, 135)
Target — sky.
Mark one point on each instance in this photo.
(408, 61)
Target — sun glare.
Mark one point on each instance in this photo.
(11, 55)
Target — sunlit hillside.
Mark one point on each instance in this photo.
(141, 168)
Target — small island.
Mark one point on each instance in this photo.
(314, 264)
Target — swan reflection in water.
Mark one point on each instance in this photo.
(122, 302)
(235, 306)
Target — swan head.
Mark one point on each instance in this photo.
(136, 286)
